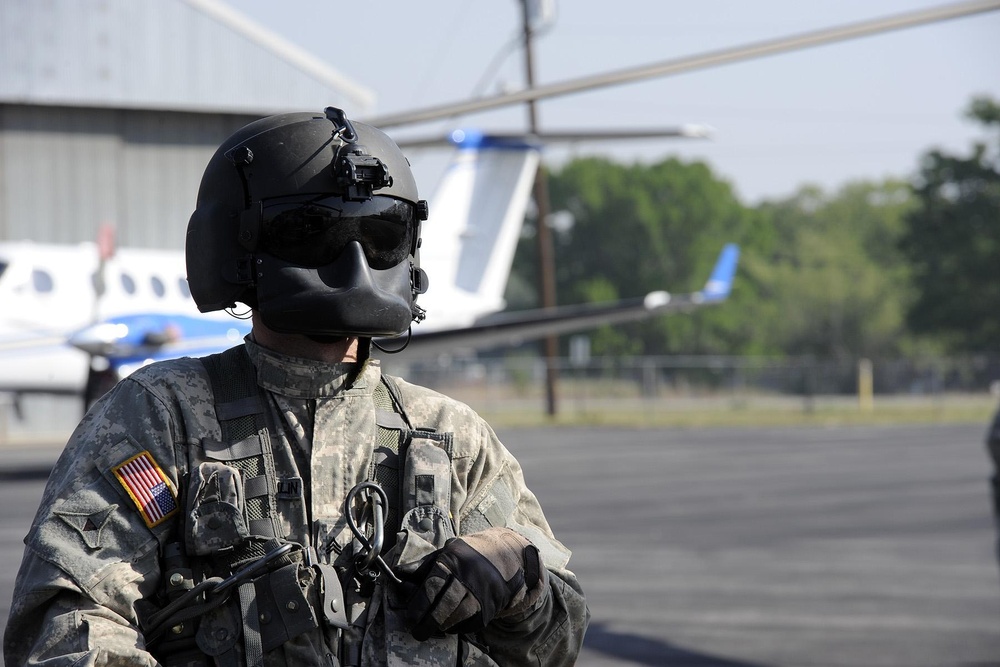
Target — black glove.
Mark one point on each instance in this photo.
(474, 579)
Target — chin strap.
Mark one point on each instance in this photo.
(409, 336)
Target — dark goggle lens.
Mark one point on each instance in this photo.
(314, 232)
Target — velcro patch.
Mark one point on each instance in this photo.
(90, 526)
(149, 488)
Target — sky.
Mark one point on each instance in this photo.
(862, 109)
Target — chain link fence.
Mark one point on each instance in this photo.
(698, 375)
(639, 390)
(676, 383)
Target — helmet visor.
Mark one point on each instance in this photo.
(312, 232)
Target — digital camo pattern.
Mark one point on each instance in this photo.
(92, 570)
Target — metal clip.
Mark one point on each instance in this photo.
(369, 550)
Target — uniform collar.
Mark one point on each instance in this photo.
(306, 378)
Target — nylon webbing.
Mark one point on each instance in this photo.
(391, 433)
(239, 408)
(253, 646)
(234, 385)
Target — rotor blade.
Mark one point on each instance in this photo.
(700, 61)
(682, 132)
(566, 136)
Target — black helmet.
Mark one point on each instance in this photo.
(314, 221)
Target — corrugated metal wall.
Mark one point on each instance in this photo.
(158, 54)
(65, 171)
(110, 110)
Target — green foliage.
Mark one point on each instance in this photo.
(952, 241)
(817, 275)
(637, 229)
(610, 341)
(874, 269)
(835, 283)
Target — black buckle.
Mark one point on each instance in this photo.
(244, 270)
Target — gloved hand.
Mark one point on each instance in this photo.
(474, 579)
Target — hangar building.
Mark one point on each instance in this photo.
(110, 110)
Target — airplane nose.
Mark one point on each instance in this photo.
(99, 339)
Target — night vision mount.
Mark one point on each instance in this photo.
(356, 171)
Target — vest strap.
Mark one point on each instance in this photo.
(245, 445)
(232, 451)
(253, 647)
(256, 487)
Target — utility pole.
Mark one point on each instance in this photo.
(543, 235)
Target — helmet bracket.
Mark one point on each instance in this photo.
(250, 225)
(360, 173)
(244, 274)
(418, 279)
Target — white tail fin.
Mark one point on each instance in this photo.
(475, 221)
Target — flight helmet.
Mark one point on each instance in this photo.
(314, 221)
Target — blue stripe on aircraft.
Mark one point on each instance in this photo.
(721, 281)
(473, 139)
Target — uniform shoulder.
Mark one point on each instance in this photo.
(172, 399)
(427, 408)
(181, 385)
(171, 374)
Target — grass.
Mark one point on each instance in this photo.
(746, 412)
(510, 408)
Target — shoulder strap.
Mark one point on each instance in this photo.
(389, 412)
(234, 386)
(246, 444)
(392, 435)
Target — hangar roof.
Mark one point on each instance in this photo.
(180, 55)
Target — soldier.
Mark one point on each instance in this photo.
(993, 449)
(284, 502)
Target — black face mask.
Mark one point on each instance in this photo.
(314, 231)
(345, 297)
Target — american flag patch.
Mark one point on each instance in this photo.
(148, 487)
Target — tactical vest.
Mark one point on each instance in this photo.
(280, 593)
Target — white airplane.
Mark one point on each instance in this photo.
(64, 312)
(48, 292)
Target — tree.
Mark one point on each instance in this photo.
(952, 240)
(834, 283)
(819, 274)
(638, 228)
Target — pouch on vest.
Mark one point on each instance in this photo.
(426, 498)
(215, 509)
(245, 446)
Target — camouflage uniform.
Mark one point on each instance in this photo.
(93, 572)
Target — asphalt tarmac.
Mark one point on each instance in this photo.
(799, 547)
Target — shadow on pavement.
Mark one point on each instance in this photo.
(25, 473)
(645, 651)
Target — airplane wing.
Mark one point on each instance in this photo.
(135, 339)
(516, 327)
(130, 341)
